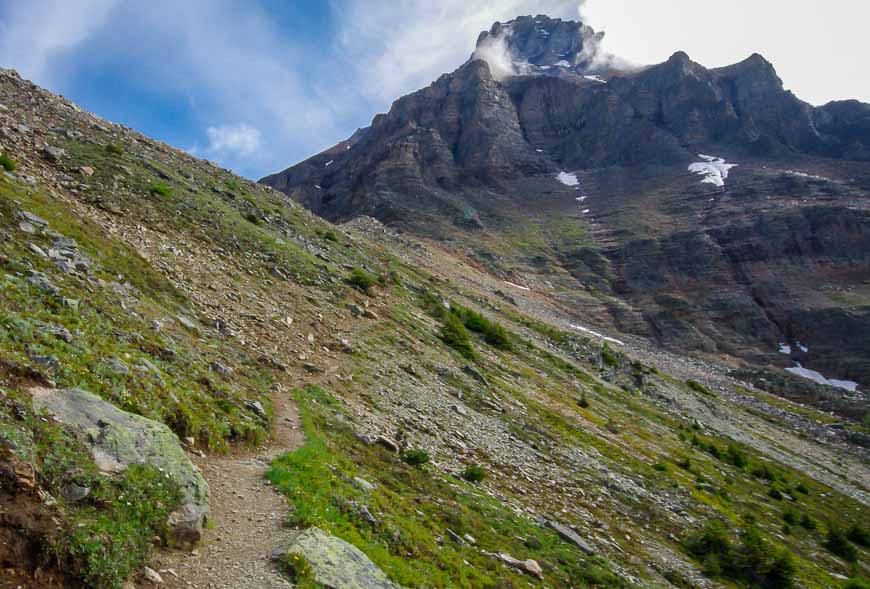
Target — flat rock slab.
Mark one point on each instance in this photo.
(118, 439)
(337, 564)
(571, 536)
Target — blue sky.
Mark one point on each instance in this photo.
(257, 85)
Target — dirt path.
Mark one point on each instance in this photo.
(248, 516)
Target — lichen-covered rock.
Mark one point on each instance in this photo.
(337, 564)
(118, 439)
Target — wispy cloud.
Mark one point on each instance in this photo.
(32, 33)
(396, 47)
(239, 139)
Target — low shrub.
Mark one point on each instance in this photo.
(415, 457)
(160, 188)
(361, 280)
(114, 149)
(752, 561)
(838, 543)
(859, 535)
(699, 388)
(474, 474)
(454, 334)
(7, 163)
(609, 357)
(297, 567)
(857, 583)
(808, 522)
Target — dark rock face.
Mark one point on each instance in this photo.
(693, 265)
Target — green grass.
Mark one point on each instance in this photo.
(184, 395)
(160, 188)
(413, 508)
(7, 163)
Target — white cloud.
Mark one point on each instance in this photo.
(238, 139)
(397, 47)
(494, 51)
(32, 33)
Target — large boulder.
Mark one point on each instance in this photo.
(118, 439)
(337, 564)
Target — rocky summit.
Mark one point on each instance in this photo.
(553, 321)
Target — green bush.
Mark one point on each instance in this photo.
(699, 388)
(454, 334)
(661, 467)
(735, 456)
(160, 188)
(252, 218)
(753, 561)
(791, 517)
(493, 333)
(416, 457)
(857, 583)
(838, 543)
(859, 535)
(808, 522)
(474, 474)
(7, 163)
(609, 357)
(297, 567)
(361, 280)
(114, 149)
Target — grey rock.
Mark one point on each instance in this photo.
(49, 361)
(74, 493)
(70, 303)
(187, 323)
(388, 443)
(54, 154)
(225, 371)
(363, 485)
(26, 227)
(34, 219)
(66, 267)
(475, 374)
(37, 250)
(116, 365)
(572, 537)
(257, 408)
(60, 332)
(118, 439)
(336, 564)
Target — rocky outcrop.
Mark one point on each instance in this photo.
(337, 564)
(118, 439)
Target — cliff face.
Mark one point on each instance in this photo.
(715, 263)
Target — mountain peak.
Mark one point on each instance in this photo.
(542, 42)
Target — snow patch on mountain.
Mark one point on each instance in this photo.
(568, 179)
(714, 169)
(818, 377)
